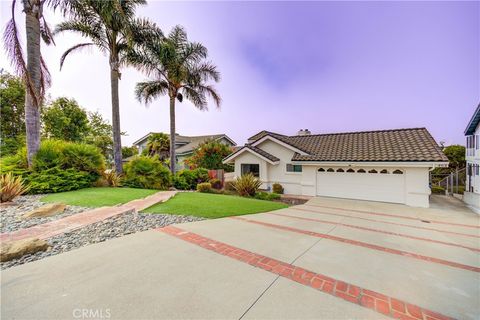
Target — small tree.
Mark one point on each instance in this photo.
(456, 156)
(129, 151)
(12, 110)
(100, 134)
(64, 119)
(158, 144)
(209, 155)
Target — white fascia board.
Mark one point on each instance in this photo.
(286, 145)
(233, 156)
(426, 164)
(228, 138)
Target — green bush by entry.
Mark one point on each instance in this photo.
(58, 166)
(204, 187)
(277, 188)
(146, 172)
(216, 184)
(189, 179)
(267, 196)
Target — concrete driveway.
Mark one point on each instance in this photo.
(327, 259)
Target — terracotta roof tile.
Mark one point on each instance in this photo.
(415, 144)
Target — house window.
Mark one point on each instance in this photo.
(350, 171)
(340, 170)
(384, 171)
(373, 171)
(294, 167)
(397, 172)
(321, 170)
(360, 171)
(330, 170)
(251, 168)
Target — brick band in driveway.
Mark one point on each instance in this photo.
(394, 216)
(378, 302)
(386, 222)
(376, 230)
(365, 245)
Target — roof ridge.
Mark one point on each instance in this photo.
(357, 132)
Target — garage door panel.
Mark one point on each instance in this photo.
(362, 186)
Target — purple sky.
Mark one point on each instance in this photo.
(325, 66)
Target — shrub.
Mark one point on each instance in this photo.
(188, 179)
(58, 166)
(11, 187)
(267, 196)
(277, 188)
(204, 187)
(58, 180)
(229, 186)
(216, 184)
(49, 155)
(147, 172)
(438, 190)
(111, 178)
(83, 157)
(180, 183)
(247, 185)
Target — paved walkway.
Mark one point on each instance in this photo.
(79, 220)
(327, 259)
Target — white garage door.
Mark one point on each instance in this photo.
(364, 184)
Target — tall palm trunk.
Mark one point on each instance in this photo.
(117, 142)
(32, 104)
(172, 134)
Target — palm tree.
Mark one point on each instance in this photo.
(33, 71)
(112, 27)
(158, 144)
(178, 68)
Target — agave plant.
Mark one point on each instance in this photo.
(11, 187)
(247, 185)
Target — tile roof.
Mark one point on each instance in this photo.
(188, 143)
(414, 144)
(259, 151)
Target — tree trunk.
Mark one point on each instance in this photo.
(117, 142)
(172, 134)
(32, 105)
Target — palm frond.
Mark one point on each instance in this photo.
(197, 98)
(149, 90)
(76, 47)
(45, 32)
(14, 50)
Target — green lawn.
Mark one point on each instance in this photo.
(208, 205)
(98, 197)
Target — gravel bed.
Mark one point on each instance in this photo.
(101, 231)
(11, 214)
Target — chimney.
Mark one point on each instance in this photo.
(304, 132)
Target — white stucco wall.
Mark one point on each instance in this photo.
(291, 181)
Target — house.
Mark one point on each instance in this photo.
(471, 195)
(387, 165)
(185, 145)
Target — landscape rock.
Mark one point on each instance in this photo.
(10, 250)
(47, 210)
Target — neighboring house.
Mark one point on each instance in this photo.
(388, 165)
(185, 145)
(471, 195)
